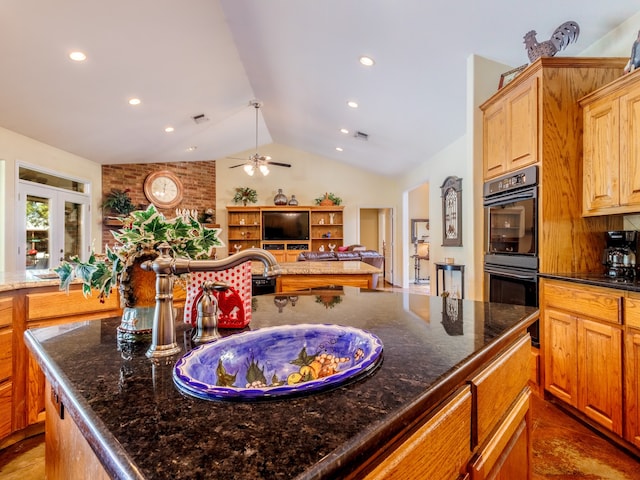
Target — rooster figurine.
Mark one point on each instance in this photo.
(564, 35)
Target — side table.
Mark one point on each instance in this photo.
(444, 267)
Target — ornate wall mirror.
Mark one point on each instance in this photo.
(452, 212)
(419, 230)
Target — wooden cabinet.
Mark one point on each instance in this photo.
(536, 120)
(632, 368)
(600, 373)
(481, 431)
(326, 228)
(560, 355)
(325, 231)
(583, 349)
(439, 449)
(511, 130)
(611, 176)
(21, 380)
(6, 366)
(632, 386)
(244, 228)
(67, 452)
(501, 427)
(508, 454)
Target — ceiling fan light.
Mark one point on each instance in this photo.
(264, 170)
(249, 169)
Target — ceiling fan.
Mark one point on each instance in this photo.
(256, 161)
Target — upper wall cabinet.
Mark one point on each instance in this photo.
(511, 130)
(611, 172)
(536, 117)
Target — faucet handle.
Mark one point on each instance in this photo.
(207, 321)
(209, 286)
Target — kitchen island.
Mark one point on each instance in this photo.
(140, 426)
(300, 275)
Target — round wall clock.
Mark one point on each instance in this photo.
(163, 189)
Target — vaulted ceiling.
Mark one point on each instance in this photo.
(210, 58)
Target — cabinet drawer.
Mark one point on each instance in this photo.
(6, 412)
(511, 440)
(61, 304)
(632, 310)
(497, 386)
(443, 436)
(598, 303)
(6, 353)
(6, 312)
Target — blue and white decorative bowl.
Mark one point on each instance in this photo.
(278, 361)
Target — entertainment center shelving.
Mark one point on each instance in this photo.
(246, 230)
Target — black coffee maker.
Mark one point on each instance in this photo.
(620, 253)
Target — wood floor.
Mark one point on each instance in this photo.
(563, 449)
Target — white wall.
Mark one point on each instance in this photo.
(15, 147)
(309, 177)
(463, 158)
(616, 43)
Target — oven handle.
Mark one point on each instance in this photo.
(510, 198)
(511, 274)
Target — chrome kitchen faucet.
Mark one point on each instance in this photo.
(163, 334)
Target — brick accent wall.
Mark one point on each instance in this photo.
(198, 180)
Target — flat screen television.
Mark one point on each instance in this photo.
(285, 225)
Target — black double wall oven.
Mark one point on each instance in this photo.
(511, 240)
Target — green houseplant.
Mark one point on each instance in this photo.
(328, 199)
(245, 195)
(142, 232)
(118, 202)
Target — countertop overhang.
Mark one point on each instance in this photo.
(141, 426)
(596, 280)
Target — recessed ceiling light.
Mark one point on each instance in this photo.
(344, 130)
(367, 61)
(169, 129)
(134, 101)
(192, 148)
(352, 104)
(77, 56)
(339, 149)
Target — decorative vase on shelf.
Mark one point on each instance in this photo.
(280, 198)
(294, 201)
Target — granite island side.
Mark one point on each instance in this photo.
(140, 426)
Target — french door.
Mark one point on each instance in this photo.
(53, 225)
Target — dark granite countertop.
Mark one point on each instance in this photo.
(596, 279)
(141, 426)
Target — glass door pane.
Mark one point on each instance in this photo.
(73, 229)
(38, 232)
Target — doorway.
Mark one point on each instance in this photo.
(53, 225)
(376, 227)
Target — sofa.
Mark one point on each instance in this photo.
(372, 257)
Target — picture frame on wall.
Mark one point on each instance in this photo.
(451, 192)
(508, 77)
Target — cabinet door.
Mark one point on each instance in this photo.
(560, 358)
(601, 156)
(630, 150)
(600, 373)
(632, 386)
(495, 139)
(522, 125)
(438, 449)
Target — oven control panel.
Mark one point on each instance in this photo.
(523, 178)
